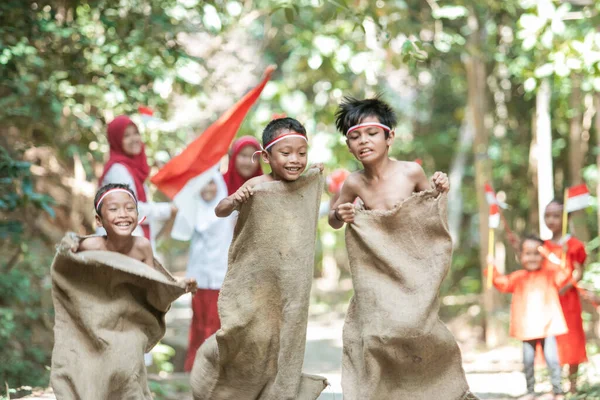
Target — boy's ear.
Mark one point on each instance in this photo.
(391, 136)
(98, 221)
(265, 157)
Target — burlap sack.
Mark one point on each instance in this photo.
(109, 310)
(395, 347)
(263, 304)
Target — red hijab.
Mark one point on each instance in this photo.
(232, 177)
(136, 165)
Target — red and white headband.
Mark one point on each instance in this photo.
(115, 190)
(277, 140)
(365, 124)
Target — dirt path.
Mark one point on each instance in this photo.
(492, 375)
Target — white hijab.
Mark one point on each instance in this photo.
(195, 213)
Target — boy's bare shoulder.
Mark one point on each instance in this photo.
(92, 243)
(250, 183)
(410, 168)
(355, 178)
(142, 243)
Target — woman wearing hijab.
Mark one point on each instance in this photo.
(211, 238)
(127, 164)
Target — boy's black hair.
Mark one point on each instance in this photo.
(274, 128)
(105, 189)
(556, 200)
(352, 111)
(532, 237)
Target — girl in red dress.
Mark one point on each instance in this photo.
(571, 346)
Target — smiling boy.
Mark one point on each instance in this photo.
(117, 212)
(285, 148)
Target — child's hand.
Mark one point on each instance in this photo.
(317, 165)
(440, 182)
(191, 285)
(490, 260)
(242, 195)
(345, 213)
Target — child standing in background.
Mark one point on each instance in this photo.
(207, 263)
(535, 312)
(241, 168)
(571, 346)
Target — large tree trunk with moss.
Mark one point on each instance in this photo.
(477, 94)
(543, 153)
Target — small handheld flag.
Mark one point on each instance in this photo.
(491, 198)
(577, 198)
(494, 223)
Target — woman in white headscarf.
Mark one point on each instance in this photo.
(210, 240)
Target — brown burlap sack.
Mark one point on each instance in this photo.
(109, 310)
(395, 347)
(263, 304)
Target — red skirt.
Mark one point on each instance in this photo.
(205, 322)
(571, 345)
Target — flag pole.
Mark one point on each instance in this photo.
(490, 266)
(565, 223)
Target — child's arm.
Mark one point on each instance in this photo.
(231, 203)
(145, 249)
(342, 210)
(504, 283)
(439, 180)
(566, 281)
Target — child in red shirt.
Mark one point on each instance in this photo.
(571, 346)
(535, 313)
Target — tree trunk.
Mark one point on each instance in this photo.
(456, 174)
(576, 156)
(597, 123)
(476, 82)
(532, 191)
(543, 153)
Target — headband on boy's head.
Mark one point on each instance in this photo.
(97, 206)
(365, 124)
(277, 140)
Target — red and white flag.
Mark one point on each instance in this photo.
(147, 115)
(494, 221)
(491, 198)
(207, 149)
(578, 198)
(182, 178)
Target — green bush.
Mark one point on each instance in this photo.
(24, 333)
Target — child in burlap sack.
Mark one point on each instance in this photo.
(110, 298)
(258, 352)
(394, 344)
(536, 316)
(117, 212)
(285, 149)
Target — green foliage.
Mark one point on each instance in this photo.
(68, 67)
(17, 194)
(21, 309)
